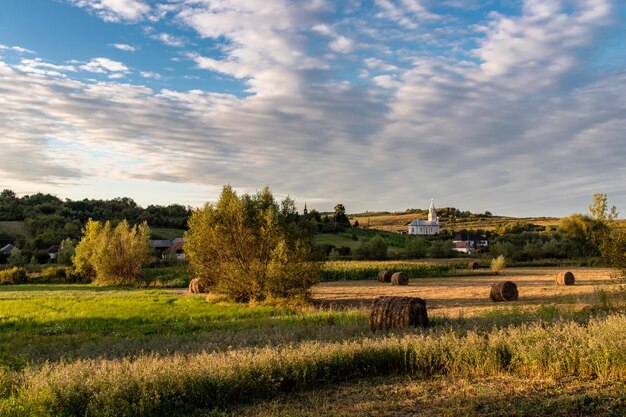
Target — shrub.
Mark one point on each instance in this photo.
(374, 249)
(442, 249)
(66, 252)
(19, 257)
(613, 249)
(15, 275)
(498, 264)
(113, 255)
(416, 248)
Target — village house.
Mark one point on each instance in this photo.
(468, 242)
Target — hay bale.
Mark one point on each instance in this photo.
(503, 291)
(473, 265)
(198, 286)
(384, 276)
(565, 278)
(399, 278)
(397, 313)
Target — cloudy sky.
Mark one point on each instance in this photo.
(517, 107)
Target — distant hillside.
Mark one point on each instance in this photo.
(397, 222)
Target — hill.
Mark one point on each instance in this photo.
(397, 222)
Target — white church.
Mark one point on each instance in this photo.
(426, 227)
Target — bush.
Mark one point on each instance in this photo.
(498, 264)
(374, 249)
(57, 275)
(15, 275)
(113, 255)
(442, 249)
(19, 257)
(416, 248)
(169, 277)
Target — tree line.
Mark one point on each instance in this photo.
(49, 220)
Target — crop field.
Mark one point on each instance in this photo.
(77, 350)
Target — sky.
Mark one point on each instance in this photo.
(515, 107)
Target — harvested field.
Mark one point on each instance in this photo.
(469, 296)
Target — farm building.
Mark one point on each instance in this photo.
(53, 251)
(160, 245)
(7, 249)
(425, 227)
(176, 250)
(468, 242)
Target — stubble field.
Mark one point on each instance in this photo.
(83, 350)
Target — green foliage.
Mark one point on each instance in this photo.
(113, 255)
(498, 264)
(249, 249)
(613, 250)
(19, 257)
(374, 249)
(598, 209)
(57, 275)
(177, 276)
(66, 252)
(441, 249)
(416, 248)
(49, 220)
(15, 275)
(340, 217)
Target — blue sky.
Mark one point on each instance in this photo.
(517, 107)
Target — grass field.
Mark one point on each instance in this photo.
(83, 350)
(14, 228)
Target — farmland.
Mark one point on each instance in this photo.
(397, 222)
(65, 349)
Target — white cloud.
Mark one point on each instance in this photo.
(169, 40)
(149, 74)
(341, 44)
(124, 47)
(16, 49)
(104, 65)
(116, 10)
(406, 13)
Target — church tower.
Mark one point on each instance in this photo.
(306, 211)
(432, 214)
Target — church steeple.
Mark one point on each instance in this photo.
(432, 214)
(305, 211)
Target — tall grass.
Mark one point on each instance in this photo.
(163, 386)
(354, 270)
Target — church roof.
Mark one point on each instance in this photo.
(423, 223)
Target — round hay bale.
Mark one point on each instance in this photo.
(503, 291)
(400, 278)
(198, 286)
(397, 313)
(384, 276)
(473, 265)
(565, 278)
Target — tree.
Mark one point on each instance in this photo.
(66, 252)
(374, 249)
(243, 248)
(416, 248)
(340, 215)
(113, 255)
(598, 209)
